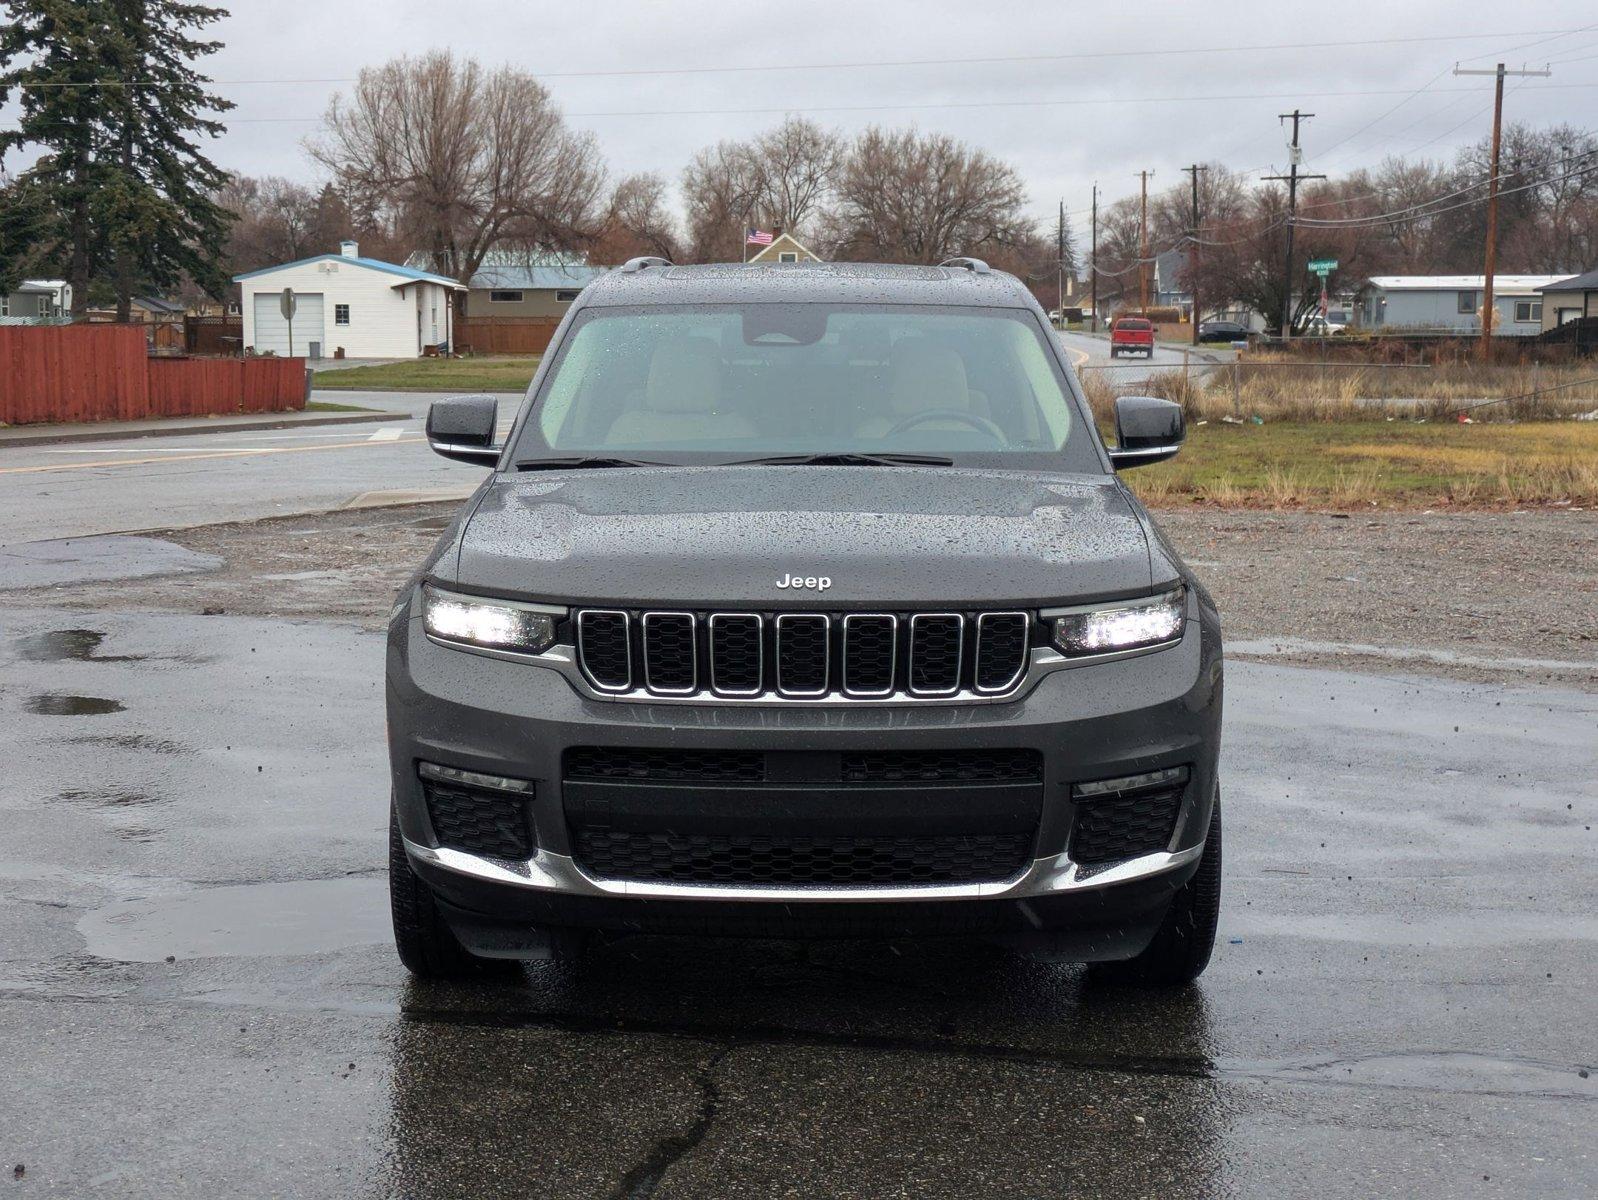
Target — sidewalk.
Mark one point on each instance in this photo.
(110, 431)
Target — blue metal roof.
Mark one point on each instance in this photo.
(530, 278)
(410, 273)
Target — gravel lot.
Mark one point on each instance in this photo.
(1475, 595)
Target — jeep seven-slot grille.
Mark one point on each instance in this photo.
(803, 656)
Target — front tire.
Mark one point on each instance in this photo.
(425, 943)
(1181, 947)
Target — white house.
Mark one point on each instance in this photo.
(365, 307)
(1452, 303)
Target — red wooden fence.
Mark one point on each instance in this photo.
(191, 387)
(72, 373)
(103, 373)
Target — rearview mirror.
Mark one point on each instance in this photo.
(462, 428)
(1147, 430)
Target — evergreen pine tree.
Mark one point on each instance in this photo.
(160, 220)
(53, 63)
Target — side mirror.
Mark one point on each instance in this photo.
(462, 428)
(1146, 431)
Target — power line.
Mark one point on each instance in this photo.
(878, 64)
(800, 110)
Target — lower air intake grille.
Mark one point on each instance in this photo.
(710, 766)
(487, 823)
(1114, 828)
(942, 766)
(777, 861)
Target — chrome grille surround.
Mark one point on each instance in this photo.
(922, 627)
(656, 647)
(985, 640)
(788, 627)
(802, 657)
(727, 620)
(586, 624)
(854, 627)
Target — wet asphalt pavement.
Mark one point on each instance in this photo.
(198, 996)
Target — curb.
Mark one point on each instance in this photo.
(119, 435)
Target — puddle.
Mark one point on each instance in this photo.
(129, 741)
(1448, 1071)
(109, 798)
(69, 645)
(55, 704)
(264, 920)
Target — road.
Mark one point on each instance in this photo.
(1093, 354)
(198, 996)
(74, 489)
(77, 489)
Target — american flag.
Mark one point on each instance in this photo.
(759, 237)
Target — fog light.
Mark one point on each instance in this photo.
(474, 779)
(1129, 783)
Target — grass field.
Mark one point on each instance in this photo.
(1280, 388)
(1386, 463)
(435, 375)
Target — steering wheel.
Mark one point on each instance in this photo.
(980, 424)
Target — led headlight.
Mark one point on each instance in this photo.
(492, 624)
(1130, 625)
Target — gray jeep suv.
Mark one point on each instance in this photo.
(804, 600)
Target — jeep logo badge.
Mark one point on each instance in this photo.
(812, 583)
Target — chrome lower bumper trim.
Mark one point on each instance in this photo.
(548, 872)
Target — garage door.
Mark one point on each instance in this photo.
(272, 331)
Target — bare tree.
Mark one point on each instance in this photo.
(465, 160)
(908, 197)
(637, 221)
(720, 188)
(795, 165)
(783, 180)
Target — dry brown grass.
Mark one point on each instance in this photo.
(1322, 464)
(1278, 388)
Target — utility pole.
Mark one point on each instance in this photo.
(1193, 248)
(1143, 248)
(1488, 313)
(1093, 277)
(1295, 156)
(1059, 266)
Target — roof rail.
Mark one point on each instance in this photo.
(634, 265)
(975, 265)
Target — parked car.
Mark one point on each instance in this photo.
(1132, 335)
(805, 602)
(1223, 331)
(1319, 326)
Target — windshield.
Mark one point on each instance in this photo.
(727, 383)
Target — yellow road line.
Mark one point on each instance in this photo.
(101, 465)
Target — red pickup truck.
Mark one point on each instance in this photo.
(1129, 335)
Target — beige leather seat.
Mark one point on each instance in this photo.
(925, 377)
(680, 400)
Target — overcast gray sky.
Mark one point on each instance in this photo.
(1059, 148)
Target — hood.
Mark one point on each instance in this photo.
(724, 537)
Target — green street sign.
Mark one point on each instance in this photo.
(1323, 266)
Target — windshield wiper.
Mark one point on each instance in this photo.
(846, 458)
(560, 464)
